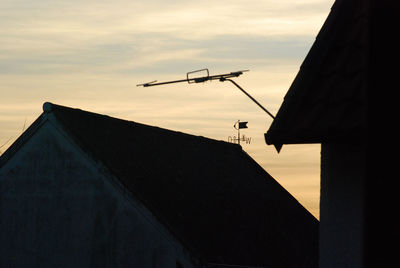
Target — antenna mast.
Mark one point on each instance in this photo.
(208, 77)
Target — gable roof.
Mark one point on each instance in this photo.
(210, 194)
(327, 101)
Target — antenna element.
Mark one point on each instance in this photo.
(208, 77)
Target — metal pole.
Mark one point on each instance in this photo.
(239, 131)
(222, 79)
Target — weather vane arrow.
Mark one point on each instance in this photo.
(239, 125)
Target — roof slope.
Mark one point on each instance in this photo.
(328, 98)
(210, 193)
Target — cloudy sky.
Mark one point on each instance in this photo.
(91, 54)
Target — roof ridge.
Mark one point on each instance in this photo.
(49, 107)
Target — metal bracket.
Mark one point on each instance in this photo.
(198, 79)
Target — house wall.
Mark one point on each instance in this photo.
(58, 210)
(342, 205)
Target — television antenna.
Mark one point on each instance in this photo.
(208, 77)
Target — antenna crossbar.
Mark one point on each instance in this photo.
(208, 77)
(196, 79)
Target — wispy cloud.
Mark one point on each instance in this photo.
(100, 36)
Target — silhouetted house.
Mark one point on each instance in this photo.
(327, 103)
(79, 189)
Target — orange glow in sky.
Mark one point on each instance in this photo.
(92, 54)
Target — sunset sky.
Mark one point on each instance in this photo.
(91, 54)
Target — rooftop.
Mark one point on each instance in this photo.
(211, 194)
(327, 101)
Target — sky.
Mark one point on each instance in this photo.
(91, 54)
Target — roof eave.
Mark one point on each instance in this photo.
(279, 138)
(21, 140)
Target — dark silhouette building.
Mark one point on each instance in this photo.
(79, 189)
(335, 100)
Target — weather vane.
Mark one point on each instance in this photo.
(208, 77)
(239, 125)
